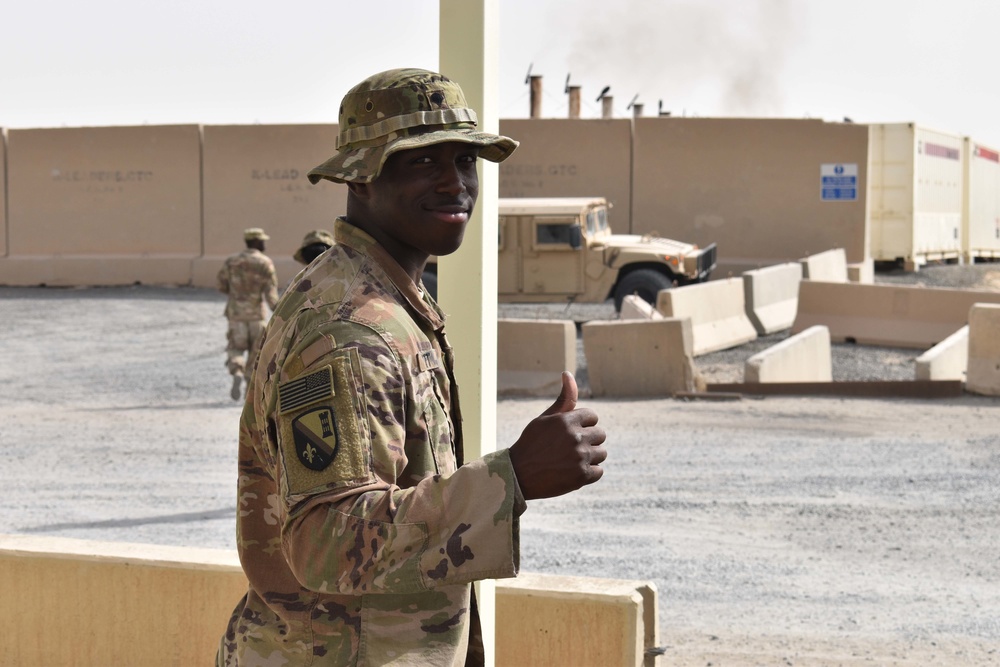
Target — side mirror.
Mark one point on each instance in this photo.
(575, 237)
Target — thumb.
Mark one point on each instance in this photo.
(567, 397)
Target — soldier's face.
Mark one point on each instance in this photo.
(423, 198)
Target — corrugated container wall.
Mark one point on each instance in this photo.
(981, 223)
(915, 194)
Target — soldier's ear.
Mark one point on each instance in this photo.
(359, 190)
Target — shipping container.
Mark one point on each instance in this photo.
(915, 194)
(981, 222)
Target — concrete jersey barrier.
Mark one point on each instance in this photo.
(984, 349)
(804, 357)
(772, 296)
(890, 315)
(639, 357)
(828, 267)
(717, 310)
(532, 354)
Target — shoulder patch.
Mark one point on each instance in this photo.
(305, 390)
(315, 435)
(323, 438)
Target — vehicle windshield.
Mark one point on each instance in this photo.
(597, 220)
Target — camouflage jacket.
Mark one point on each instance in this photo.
(248, 279)
(359, 527)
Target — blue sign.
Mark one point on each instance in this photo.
(838, 182)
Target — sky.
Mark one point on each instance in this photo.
(134, 62)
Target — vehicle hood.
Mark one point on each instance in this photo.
(646, 244)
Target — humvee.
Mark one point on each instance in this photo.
(563, 249)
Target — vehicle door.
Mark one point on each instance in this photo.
(553, 255)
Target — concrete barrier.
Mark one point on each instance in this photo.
(861, 272)
(947, 360)
(575, 621)
(828, 267)
(636, 308)
(891, 315)
(804, 357)
(717, 310)
(255, 176)
(103, 205)
(639, 358)
(113, 603)
(532, 354)
(772, 296)
(984, 349)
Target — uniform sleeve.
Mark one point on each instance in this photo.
(271, 288)
(348, 526)
(222, 279)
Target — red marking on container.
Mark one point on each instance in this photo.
(937, 150)
(987, 154)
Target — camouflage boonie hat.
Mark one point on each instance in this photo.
(398, 110)
(313, 237)
(255, 234)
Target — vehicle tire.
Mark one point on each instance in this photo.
(430, 281)
(645, 283)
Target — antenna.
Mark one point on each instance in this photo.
(632, 102)
(527, 77)
(566, 87)
(603, 93)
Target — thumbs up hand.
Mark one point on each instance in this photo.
(560, 450)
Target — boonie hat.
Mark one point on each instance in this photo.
(255, 234)
(401, 109)
(314, 237)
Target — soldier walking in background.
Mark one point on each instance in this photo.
(314, 244)
(248, 279)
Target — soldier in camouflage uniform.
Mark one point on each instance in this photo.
(360, 524)
(314, 244)
(249, 280)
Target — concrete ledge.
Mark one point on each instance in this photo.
(805, 357)
(64, 271)
(829, 266)
(532, 354)
(574, 621)
(116, 604)
(772, 296)
(636, 308)
(892, 315)
(717, 310)
(947, 360)
(984, 349)
(113, 603)
(639, 358)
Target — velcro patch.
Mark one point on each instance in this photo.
(428, 359)
(323, 440)
(305, 390)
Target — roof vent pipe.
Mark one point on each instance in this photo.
(536, 96)
(574, 101)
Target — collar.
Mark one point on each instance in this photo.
(346, 234)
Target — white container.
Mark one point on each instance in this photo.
(915, 194)
(981, 223)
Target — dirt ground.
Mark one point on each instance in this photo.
(778, 531)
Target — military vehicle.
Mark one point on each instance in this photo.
(563, 249)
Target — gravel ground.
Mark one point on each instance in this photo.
(778, 530)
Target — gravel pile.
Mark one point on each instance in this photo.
(851, 362)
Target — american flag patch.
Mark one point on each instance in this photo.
(305, 390)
